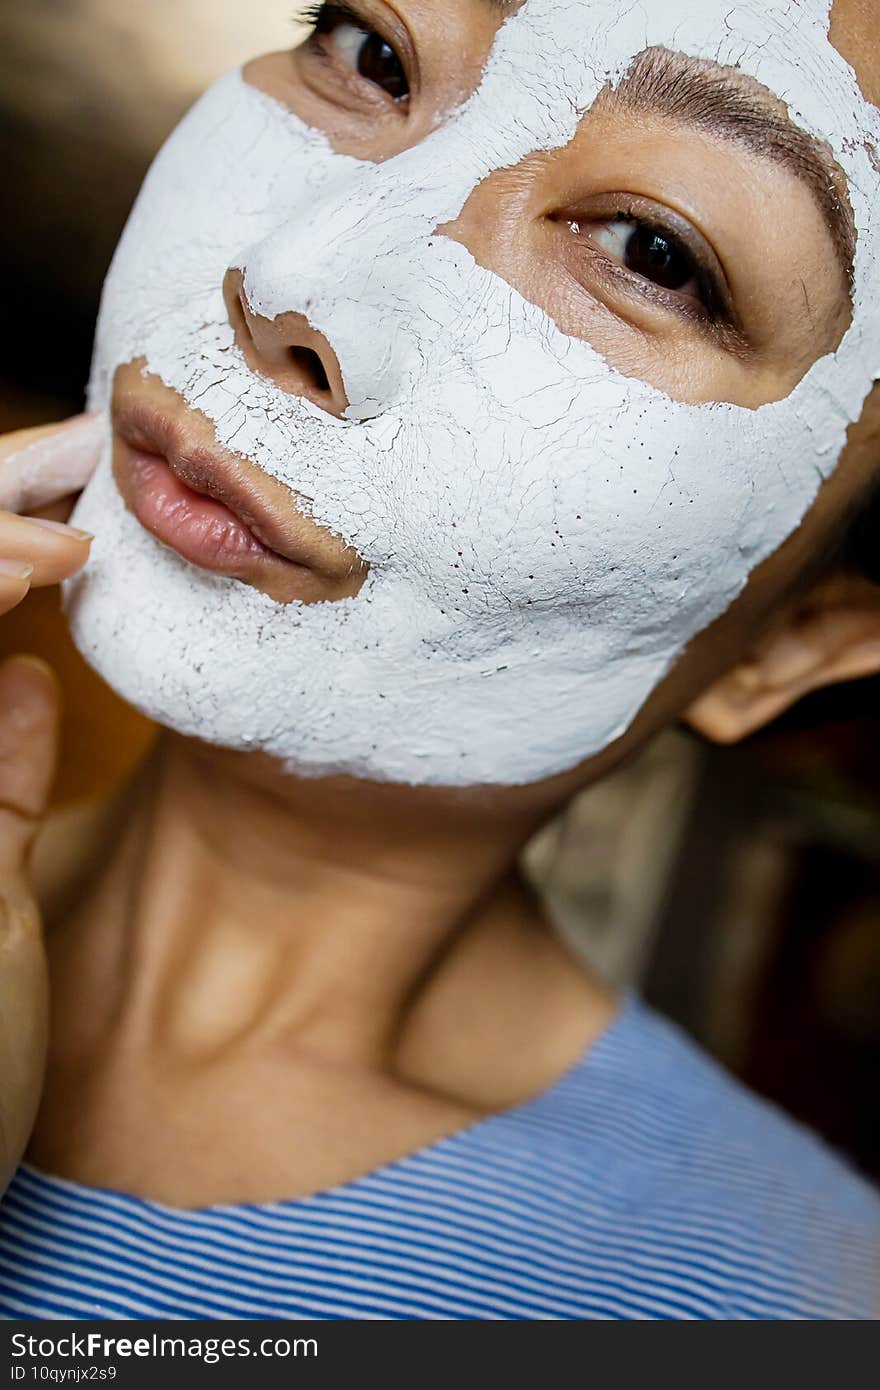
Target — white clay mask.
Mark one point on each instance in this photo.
(544, 534)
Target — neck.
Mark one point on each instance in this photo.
(241, 905)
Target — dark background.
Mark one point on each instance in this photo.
(748, 906)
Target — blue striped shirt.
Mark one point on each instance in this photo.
(646, 1183)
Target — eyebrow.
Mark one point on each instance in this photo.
(734, 107)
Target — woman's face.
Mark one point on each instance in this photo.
(507, 346)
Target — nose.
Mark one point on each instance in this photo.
(287, 349)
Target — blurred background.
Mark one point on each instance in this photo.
(739, 889)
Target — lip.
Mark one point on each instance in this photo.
(222, 513)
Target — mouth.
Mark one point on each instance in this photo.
(221, 513)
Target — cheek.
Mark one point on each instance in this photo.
(537, 478)
(533, 480)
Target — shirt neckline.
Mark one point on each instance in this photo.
(628, 1005)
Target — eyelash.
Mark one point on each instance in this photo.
(335, 14)
(712, 310)
(311, 14)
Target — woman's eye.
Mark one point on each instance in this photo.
(650, 252)
(342, 33)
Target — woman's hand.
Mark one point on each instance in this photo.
(28, 739)
(39, 467)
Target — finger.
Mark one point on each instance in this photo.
(54, 550)
(15, 583)
(39, 466)
(29, 707)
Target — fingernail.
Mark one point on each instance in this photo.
(14, 569)
(28, 659)
(61, 528)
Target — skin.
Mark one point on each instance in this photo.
(358, 964)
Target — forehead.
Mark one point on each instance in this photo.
(582, 45)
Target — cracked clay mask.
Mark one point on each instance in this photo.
(544, 534)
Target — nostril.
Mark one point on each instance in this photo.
(278, 348)
(310, 367)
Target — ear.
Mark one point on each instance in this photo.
(832, 634)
